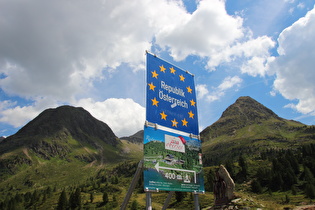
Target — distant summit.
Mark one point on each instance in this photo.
(66, 132)
(248, 127)
(78, 122)
(60, 123)
(249, 109)
(135, 138)
(245, 111)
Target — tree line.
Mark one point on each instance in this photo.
(275, 170)
(100, 191)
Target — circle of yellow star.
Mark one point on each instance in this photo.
(192, 102)
(185, 122)
(174, 123)
(162, 68)
(181, 78)
(163, 115)
(154, 74)
(151, 86)
(154, 102)
(191, 114)
(172, 70)
(189, 90)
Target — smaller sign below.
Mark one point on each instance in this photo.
(172, 161)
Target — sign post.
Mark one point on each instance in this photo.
(172, 147)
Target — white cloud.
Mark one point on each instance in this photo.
(294, 68)
(230, 82)
(46, 46)
(273, 93)
(124, 116)
(202, 91)
(55, 51)
(205, 31)
(253, 52)
(289, 1)
(301, 5)
(18, 116)
(291, 10)
(68, 45)
(217, 92)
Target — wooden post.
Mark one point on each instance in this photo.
(132, 185)
(168, 199)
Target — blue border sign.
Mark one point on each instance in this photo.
(172, 149)
(171, 97)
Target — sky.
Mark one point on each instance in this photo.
(91, 54)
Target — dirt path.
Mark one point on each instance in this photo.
(90, 164)
(306, 207)
(25, 151)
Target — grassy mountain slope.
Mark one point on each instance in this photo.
(63, 148)
(247, 127)
(66, 133)
(67, 149)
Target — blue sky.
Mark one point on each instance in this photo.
(91, 54)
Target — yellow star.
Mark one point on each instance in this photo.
(162, 68)
(174, 123)
(191, 114)
(163, 115)
(154, 102)
(192, 102)
(154, 74)
(172, 70)
(181, 78)
(152, 86)
(185, 122)
(189, 90)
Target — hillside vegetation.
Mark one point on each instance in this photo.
(67, 159)
(249, 128)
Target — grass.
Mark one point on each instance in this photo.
(134, 151)
(52, 173)
(68, 175)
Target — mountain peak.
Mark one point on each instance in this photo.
(245, 111)
(250, 109)
(76, 120)
(248, 127)
(62, 122)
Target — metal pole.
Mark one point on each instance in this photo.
(168, 199)
(196, 201)
(132, 185)
(148, 201)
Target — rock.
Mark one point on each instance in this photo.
(230, 185)
(223, 187)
